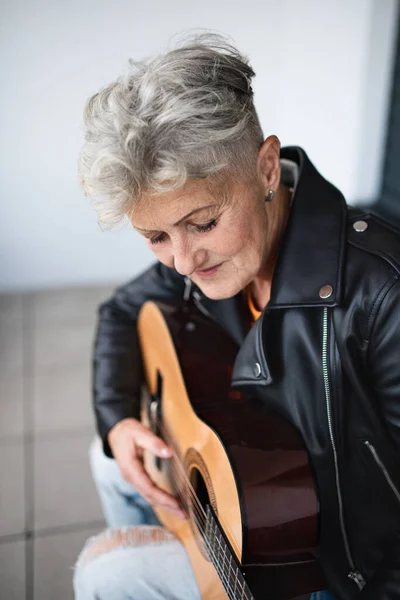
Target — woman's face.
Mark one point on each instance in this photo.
(214, 234)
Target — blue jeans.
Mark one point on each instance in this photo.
(136, 558)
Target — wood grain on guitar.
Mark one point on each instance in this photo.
(240, 472)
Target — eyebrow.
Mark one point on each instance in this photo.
(193, 212)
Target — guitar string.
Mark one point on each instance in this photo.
(225, 574)
(183, 479)
(200, 526)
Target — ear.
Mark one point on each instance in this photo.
(268, 165)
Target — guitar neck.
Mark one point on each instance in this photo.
(224, 559)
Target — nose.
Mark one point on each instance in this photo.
(187, 259)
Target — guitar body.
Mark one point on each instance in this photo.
(241, 472)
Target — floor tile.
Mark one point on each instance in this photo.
(12, 505)
(55, 557)
(61, 346)
(64, 491)
(11, 306)
(62, 399)
(11, 403)
(12, 571)
(11, 344)
(70, 305)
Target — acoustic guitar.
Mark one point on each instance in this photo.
(240, 472)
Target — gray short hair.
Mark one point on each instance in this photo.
(185, 114)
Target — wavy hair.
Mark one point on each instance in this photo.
(185, 114)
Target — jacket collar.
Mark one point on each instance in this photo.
(312, 250)
(311, 257)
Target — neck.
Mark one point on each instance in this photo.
(278, 212)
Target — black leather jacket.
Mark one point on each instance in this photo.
(328, 344)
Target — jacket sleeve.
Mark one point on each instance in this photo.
(384, 366)
(117, 365)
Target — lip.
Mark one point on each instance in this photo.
(208, 273)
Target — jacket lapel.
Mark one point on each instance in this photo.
(311, 255)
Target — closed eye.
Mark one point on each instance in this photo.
(159, 239)
(206, 226)
(199, 228)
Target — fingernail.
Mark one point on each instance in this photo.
(165, 452)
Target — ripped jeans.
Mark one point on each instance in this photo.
(136, 558)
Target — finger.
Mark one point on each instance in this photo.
(177, 512)
(149, 441)
(135, 473)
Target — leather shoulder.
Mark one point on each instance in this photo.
(374, 235)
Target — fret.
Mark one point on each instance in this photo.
(223, 578)
(224, 556)
(230, 570)
(227, 573)
(243, 590)
(224, 561)
(207, 537)
(218, 539)
(236, 579)
(221, 566)
(213, 547)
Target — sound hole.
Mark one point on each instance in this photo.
(198, 504)
(200, 488)
(200, 495)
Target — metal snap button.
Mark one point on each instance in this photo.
(326, 291)
(360, 226)
(190, 326)
(257, 369)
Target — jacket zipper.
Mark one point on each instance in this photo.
(187, 293)
(188, 289)
(197, 301)
(382, 467)
(354, 575)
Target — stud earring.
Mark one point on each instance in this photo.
(270, 195)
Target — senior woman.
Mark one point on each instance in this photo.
(308, 287)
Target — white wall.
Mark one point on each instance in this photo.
(322, 67)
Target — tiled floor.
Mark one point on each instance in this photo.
(48, 505)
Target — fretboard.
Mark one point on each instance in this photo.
(224, 559)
